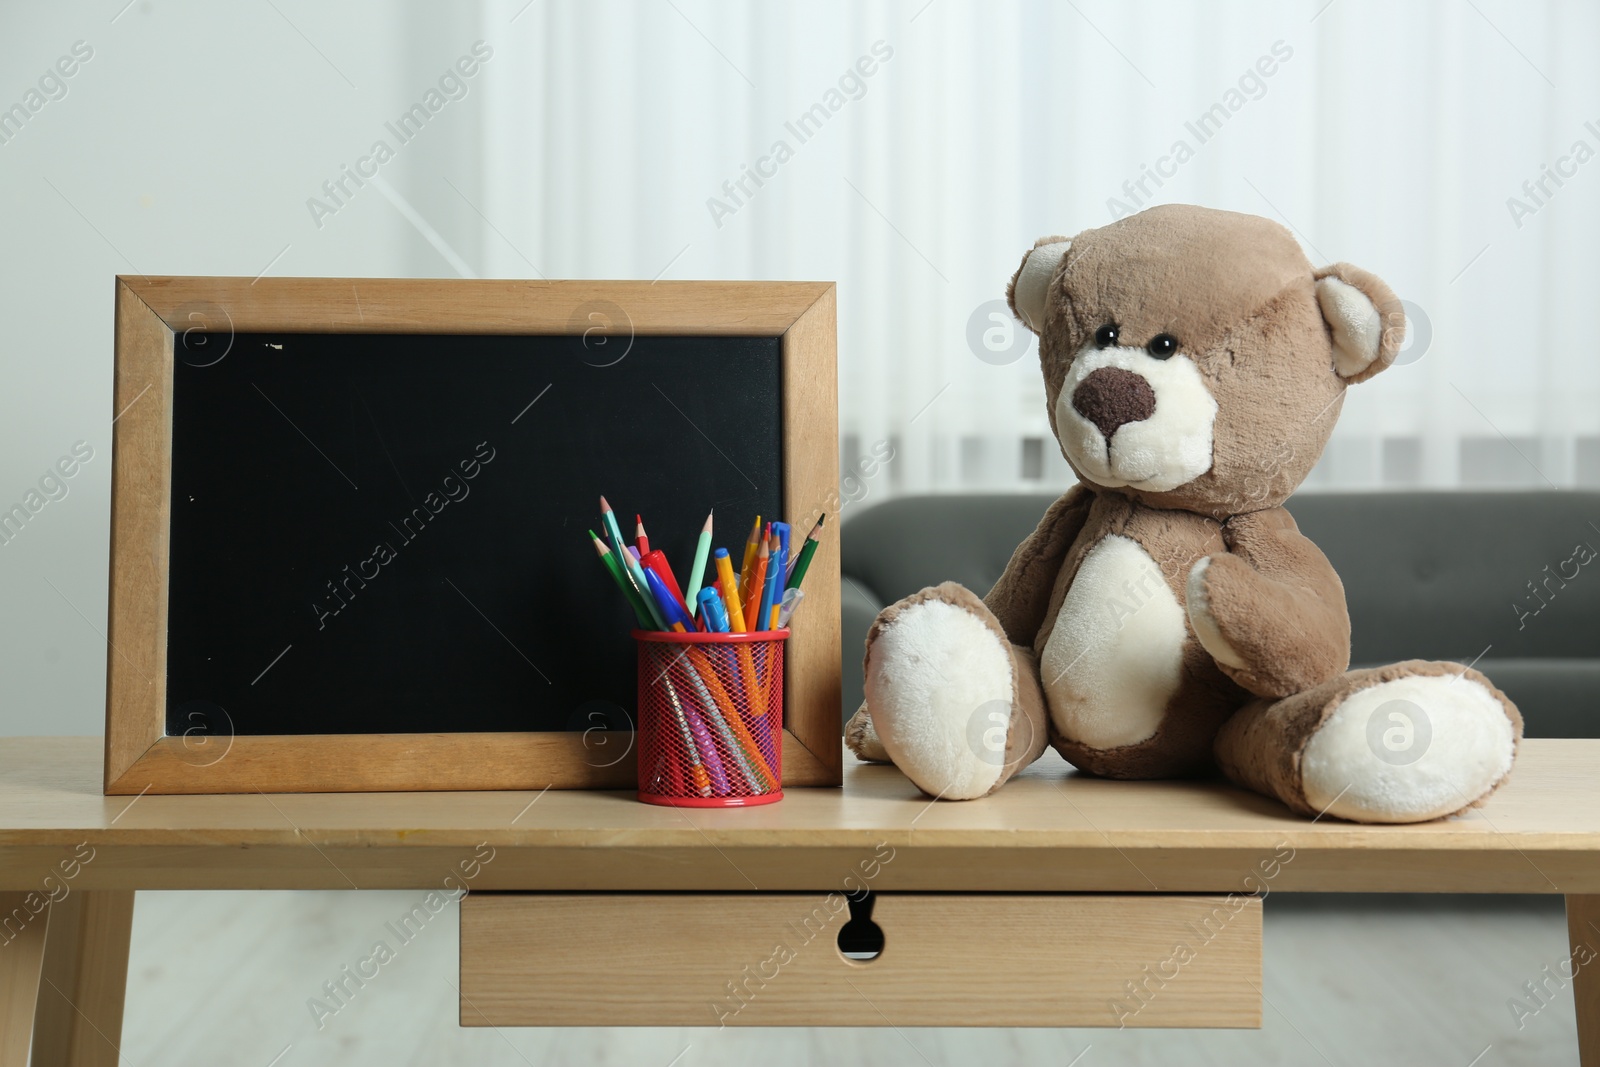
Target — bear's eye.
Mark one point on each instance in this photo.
(1162, 346)
(1106, 336)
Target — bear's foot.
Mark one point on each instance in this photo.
(952, 703)
(862, 739)
(1406, 743)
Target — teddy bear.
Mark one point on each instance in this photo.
(1166, 618)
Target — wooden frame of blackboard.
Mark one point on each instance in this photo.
(153, 313)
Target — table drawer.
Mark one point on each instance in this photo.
(774, 959)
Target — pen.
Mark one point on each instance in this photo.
(657, 561)
(791, 600)
(712, 612)
(672, 612)
(730, 591)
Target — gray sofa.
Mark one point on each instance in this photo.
(1428, 575)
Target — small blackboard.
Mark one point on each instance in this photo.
(350, 520)
(349, 507)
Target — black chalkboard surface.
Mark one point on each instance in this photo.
(386, 533)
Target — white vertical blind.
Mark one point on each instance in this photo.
(1391, 136)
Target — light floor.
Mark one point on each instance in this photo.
(221, 979)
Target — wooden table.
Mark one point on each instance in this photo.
(1113, 871)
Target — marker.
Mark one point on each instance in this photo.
(709, 607)
(797, 566)
(639, 537)
(730, 591)
(782, 530)
(778, 577)
(702, 552)
(657, 561)
(755, 589)
(676, 618)
(615, 570)
(750, 547)
(778, 571)
(712, 612)
(791, 600)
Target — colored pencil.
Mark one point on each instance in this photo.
(635, 574)
(750, 547)
(608, 517)
(772, 586)
(753, 589)
(615, 570)
(630, 563)
(797, 566)
(697, 570)
(639, 537)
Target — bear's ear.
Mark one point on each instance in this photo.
(1365, 317)
(1029, 286)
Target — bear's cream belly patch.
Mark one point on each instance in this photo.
(1115, 656)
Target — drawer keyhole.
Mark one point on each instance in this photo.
(860, 939)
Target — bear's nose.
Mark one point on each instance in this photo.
(1111, 397)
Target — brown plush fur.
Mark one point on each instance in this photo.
(1022, 597)
(861, 738)
(1240, 298)
(1277, 601)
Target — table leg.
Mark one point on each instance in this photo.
(83, 978)
(1583, 931)
(21, 956)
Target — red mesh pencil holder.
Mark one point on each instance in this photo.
(710, 727)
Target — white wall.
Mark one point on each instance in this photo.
(589, 144)
(187, 144)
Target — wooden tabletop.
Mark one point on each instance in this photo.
(1051, 829)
